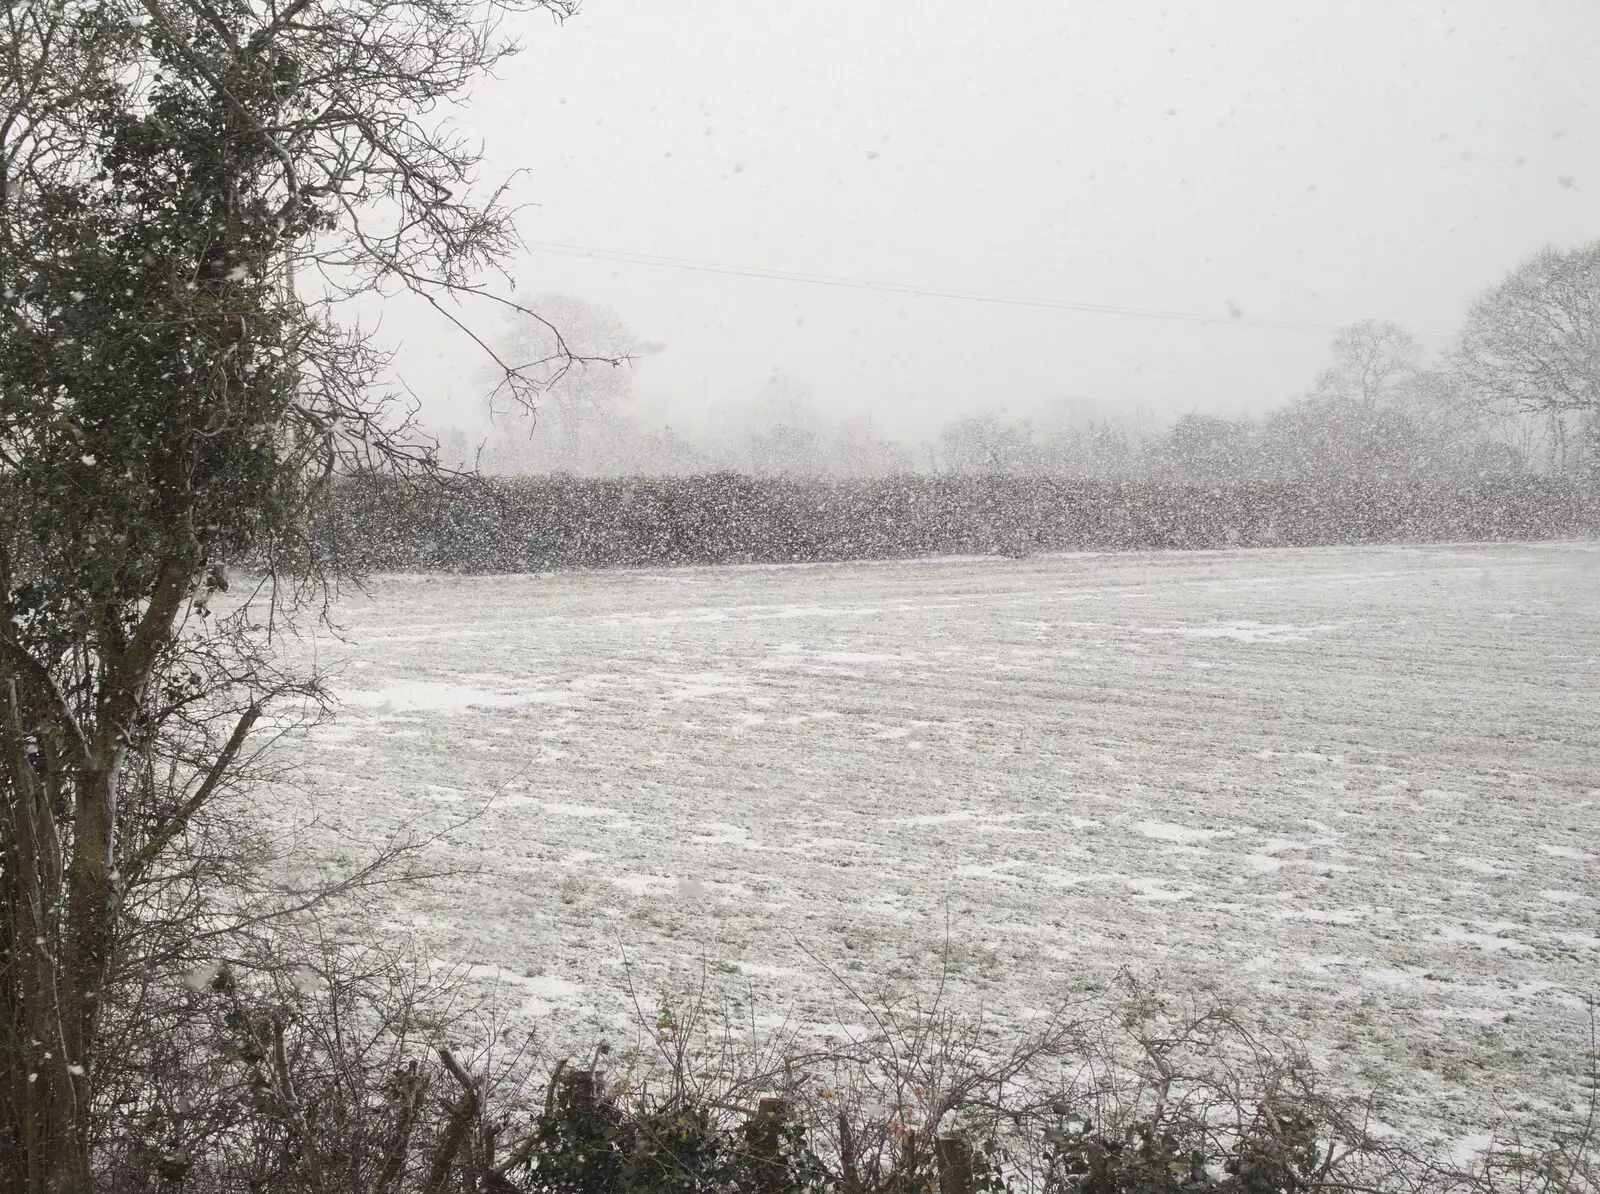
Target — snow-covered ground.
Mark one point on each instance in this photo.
(1355, 790)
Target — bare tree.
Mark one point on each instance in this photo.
(989, 443)
(1532, 343)
(1370, 359)
(579, 353)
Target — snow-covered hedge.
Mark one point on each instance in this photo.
(528, 524)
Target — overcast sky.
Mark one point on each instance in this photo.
(1306, 162)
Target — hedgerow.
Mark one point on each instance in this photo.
(531, 524)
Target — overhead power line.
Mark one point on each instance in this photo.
(947, 292)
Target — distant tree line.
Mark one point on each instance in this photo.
(1517, 392)
(529, 524)
(1376, 412)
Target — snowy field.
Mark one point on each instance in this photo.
(1355, 791)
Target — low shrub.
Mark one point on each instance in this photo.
(336, 1082)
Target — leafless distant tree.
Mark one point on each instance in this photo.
(1532, 343)
(989, 443)
(1370, 359)
(580, 354)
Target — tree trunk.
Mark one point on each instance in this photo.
(45, 1117)
(64, 893)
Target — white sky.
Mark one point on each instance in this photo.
(1308, 161)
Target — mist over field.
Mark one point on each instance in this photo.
(1379, 409)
